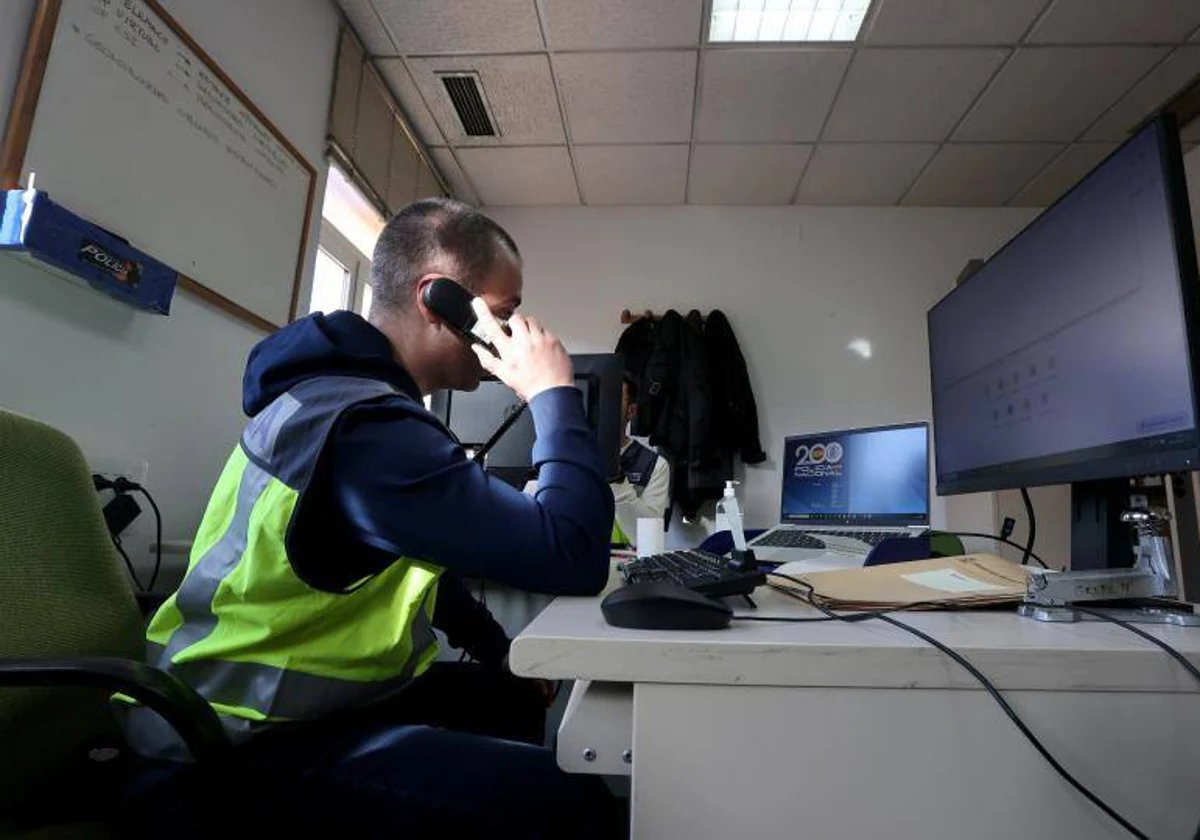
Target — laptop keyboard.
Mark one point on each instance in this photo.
(869, 537)
(788, 538)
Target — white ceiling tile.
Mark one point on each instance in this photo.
(755, 95)
(641, 97)
(632, 174)
(423, 27)
(518, 88)
(1163, 82)
(427, 182)
(1053, 93)
(520, 175)
(745, 174)
(460, 187)
(622, 24)
(862, 173)
(909, 94)
(366, 25)
(951, 21)
(402, 87)
(1116, 22)
(979, 174)
(1066, 170)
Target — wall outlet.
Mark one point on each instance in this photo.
(133, 469)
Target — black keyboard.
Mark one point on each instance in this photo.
(699, 571)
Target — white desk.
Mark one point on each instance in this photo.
(833, 730)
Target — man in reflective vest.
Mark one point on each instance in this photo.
(335, 539)
(644, 491)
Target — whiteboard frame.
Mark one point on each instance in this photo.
(24, 112)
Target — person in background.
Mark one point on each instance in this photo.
(644, 491)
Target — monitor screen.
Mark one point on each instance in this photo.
(861, 477)
(1066, 356)
(473, 416)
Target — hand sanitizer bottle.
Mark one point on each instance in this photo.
(729, 515)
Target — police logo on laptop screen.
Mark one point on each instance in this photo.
(863, 476)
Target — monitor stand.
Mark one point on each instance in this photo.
(1101, 558)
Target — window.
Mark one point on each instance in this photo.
(349, 227)
(331, 283)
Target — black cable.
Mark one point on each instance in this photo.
(1032, 527)
(996, 538)
(514, 414)
(128, 563)
(1132, 628)
(1017, 722)
(792, 619)
(158, 529)
(120, 485)
(995, 695)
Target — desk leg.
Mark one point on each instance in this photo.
(726, 762)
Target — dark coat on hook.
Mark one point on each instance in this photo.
(694, 402)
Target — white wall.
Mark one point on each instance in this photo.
(797, 283)
(131, 385)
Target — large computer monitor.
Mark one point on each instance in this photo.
(474, 415)
(1071, 355)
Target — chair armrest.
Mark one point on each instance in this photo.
(177, 702)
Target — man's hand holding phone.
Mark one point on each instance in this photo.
(531, 359)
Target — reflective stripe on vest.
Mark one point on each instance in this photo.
(244, 630)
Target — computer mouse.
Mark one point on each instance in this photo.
(664, 605)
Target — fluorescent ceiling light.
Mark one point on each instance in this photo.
(777, 21)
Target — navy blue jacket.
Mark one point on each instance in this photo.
(392, 481)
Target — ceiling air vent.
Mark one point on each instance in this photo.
(466, 94)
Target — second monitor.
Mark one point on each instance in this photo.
(474, 415)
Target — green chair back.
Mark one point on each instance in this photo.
(63, 592)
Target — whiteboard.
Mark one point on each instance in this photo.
(138, 131)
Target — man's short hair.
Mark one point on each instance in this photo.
(430, 231)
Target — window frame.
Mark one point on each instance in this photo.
(356, 263)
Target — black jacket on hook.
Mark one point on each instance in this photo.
(660, 382)
(695, 401)
(735, 415)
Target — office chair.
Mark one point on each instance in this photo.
(70, 636)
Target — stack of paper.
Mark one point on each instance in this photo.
(965, 580)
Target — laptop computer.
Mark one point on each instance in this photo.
(845, 492)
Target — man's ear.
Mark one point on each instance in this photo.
(422, 284)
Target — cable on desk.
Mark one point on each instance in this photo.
(849, 617)
(791, 619)
(1132, 628)
(998, 539)
(1020, 724)
(991, 690)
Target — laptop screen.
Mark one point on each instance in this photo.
(861, 477)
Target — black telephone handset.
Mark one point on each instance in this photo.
(452, 303)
